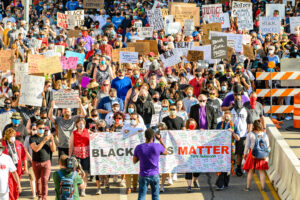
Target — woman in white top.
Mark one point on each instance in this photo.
(252, 163)
(132, 109)
(181, 110)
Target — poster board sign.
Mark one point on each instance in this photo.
(32, 63)
(21, 69)
(290, 65)
(35, 43)
(164, 12)
(68, 63)
(218, 47)
(189, 27)
(62, 20)
(138, 24)
(74, 33)
(7, 59)
(155, 19)
(234, 41)
(182, 13)
(222, 18)
(78, 17)
(246, 39)
(51, 53)
(270, 8)
(128, 57)
(294, 22)
(152, 44)
(170, 58)
(80, 56)
(168, 19)
(194, 56)
(97, 4)
(59, 49)
(183, 47)
(269, 25)
(212, 9)
(5, 119)
(207, 28)
(230, 51)
(140, 47)
(66, 99)
(248, 51)
(207, 52)
(116, 53)
(243, 12)
(173, 28)
(187, 152)
(145, 32)
(172, 5)
(31, 90)
(50, 65)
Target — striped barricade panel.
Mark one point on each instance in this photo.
(277, 92)
(278, 76)
(278, 109)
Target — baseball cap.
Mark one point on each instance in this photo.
(151, 54)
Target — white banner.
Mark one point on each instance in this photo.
(294, 22)
(31, 90)
(211, 9)
(128, 57)
(243, 12)
(79, 18)
(5, 118)
(222, 18)
(145, 32)
(269, 25)
(170, 58)
(169, 19)
(188, 151)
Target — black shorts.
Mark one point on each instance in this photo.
(85, 164)
(240, 146)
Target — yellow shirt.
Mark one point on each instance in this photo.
(5, 39)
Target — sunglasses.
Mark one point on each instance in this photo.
(202, 101)
(172, 109)
(119, 118)
(105, 84)
(94, 115)
(34, 129)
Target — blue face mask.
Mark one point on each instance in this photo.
(41, 131)
(37, 117)
(16, 121)
(164, 108)
(130, 110)
(102, 62)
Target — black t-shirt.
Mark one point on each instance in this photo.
(21, 131)
(43, 154)
(174, 124)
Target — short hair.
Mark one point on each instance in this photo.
(149, 133)
(40, 123)
(10, 132)
(63, 160)
(112, 90)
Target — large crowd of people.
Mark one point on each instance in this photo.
(119, 96)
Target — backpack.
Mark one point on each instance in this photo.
(260, 149)
(67, 186)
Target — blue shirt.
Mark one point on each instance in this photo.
(106, 104)
(72, 5)
(4, 111)
(122, 86)
(117, 21)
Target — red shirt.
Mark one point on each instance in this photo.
(81, 143)
(196, 85)
(62, 43)
(106, 49)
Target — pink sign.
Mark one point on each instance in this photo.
(68, 63)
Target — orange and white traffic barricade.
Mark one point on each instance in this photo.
(277, 76)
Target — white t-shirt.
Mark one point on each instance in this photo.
(6, 165)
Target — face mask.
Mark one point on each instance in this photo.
(212, 96)
(223, 88)
(253, 102)
(140, 61)
(41, 131)
(202, 104)
(67, 115)
(172, 112)
(102, 62)
(112, 98)
(155, 99)
(15, 121)
(238, 104)
(63, 86)
(256, 46)
(47, 24)
(271, 52)
(81, 126)
(5, 84)
(133, 122)
(189, 94)
(8, 26)
(136, 76)
(143, 98)
(161, 84)
(38, 117)
(227, 119)
(7, 106)
(116, 109)
(164, 108)
(182, 74)
(120, 77)
(120, 121)
(104, 42)
(137, 84)
(192, 126)
(49, 89)
(34, 132)
(198, 75)
(130, 110)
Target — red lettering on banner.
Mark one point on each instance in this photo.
(208, 149)
(182, 151)
(200, 149)
(225, 150)
(192, 150)
(216, 149)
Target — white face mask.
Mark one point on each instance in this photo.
(116, 109)
(81, 126)
(95, 118)
(12, 139)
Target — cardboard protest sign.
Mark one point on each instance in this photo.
(80, 56)
(116, 53)
(172, 5)
(246, 39)
(50, 65)
(32, 62)
(62, 20)
(21, 69)
(183, 47)
(248, 51)
(128, 57)
(152, 44)
(155, 19)
(173, 28)
(270, 8)
(212, 9)
(234, 41)
(182, 13)
(98, 4)
(78, 17)
(269, 25)
(188, 27)
(194, 56)
(51, 53)
(68, 63)
(218, 47)
(74, 33)
(230, 51)
(59, 49)
(85, 81)
(207, 28)
(222, 18)
(66, 99)
(243, 12)
(170, 58)
(7, 59)
(140, 47)
(207, 52)
(35, 43)
(294, 22)
(164, 12)
(145, 32)
(183, 157)
(31, 90)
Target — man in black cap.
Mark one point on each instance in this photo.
(18, 126)
(197, 82)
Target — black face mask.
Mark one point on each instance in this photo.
(198, 75)
(155, 99)
(143, 98)
(238, 104)
(101, 129)
(5, 84)
(14, 97)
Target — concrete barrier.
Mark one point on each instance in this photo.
(284, 171)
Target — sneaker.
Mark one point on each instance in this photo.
(107, 188)
(82, 193)
(122, 183)
(98, 192)
(247, 189)
(189, 189)
(219, 188)
(195, 184)
(162, 189)
(174, 177)
(170, 181)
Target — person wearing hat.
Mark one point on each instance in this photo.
(122, 84)
(8, 170)
(237, 89)
(17, 126)
(109, 117)
(196, 82)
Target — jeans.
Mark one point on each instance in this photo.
(42, 172)
(144, 181)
